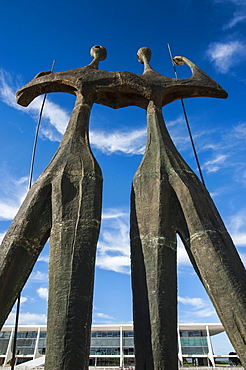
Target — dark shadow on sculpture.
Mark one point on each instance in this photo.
(142, 333)
(167, 198)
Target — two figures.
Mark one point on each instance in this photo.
(167, 199)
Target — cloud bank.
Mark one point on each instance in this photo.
(238, 15)
(43, 293)
(226, 55)
(55, 120)
(27, 319)
(113, 251)
(198, 308)
(12, 194)
(237, 227)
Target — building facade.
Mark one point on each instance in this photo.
(113, 345)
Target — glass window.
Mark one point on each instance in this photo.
(3, 346)
(128, 351)
(105, 334)
(192, 333)
(194, 350)
(129, 361)
(109, 351)
(27, 334)
(106, 342)
(128, 342)
(128, 334)
(22, 360)
(193, 341)
(5, 334)
(25, 343)
(4, 341)
(108, 362)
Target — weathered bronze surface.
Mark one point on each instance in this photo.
(65, 203)
(167, 198)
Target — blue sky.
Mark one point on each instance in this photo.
(211, 33)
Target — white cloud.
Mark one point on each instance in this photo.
(44, 259)
(114, 263)
(238, 16)
(57, 116)
(215, 164)
(113, 251)
(56, 119)
(196, 302)
(178, 132)
(8, 212)
(27, 319)
(7, 90)
(13, 192)
(39, 276)
(104, 316)
(243, 258)
(2, 236)
(23, 299)
(199, 309)
(112, 213)
(206, 312)
(43, 293)
(226, 55)
(240, 131)
(128, 142)
(182, 256)
(237, 227)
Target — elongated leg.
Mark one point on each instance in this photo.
(215, 257)
(153, 256)
(23, 243)
(208, 243)
(76, 214)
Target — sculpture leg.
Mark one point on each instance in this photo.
(76, 213)
(23, 243)
(153, 256)
(208, 243)
(215, 257)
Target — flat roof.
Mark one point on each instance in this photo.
(213, 328)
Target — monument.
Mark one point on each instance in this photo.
(167, 199)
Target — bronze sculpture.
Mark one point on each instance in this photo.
(65, 203)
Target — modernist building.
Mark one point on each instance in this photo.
(112, 345)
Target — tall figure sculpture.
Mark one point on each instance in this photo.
(65, 204)
(167, 198)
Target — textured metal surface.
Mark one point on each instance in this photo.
(167, 198)
(171, 198)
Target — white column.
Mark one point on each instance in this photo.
(180, 348)
(121, 348)
(36, 354)
(210, 348)
(9, 354)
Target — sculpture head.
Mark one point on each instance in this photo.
(98, 52)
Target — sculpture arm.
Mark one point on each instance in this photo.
(118, 89)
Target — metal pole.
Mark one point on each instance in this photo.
(36, 135)
(29, 187)
(187, 121)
